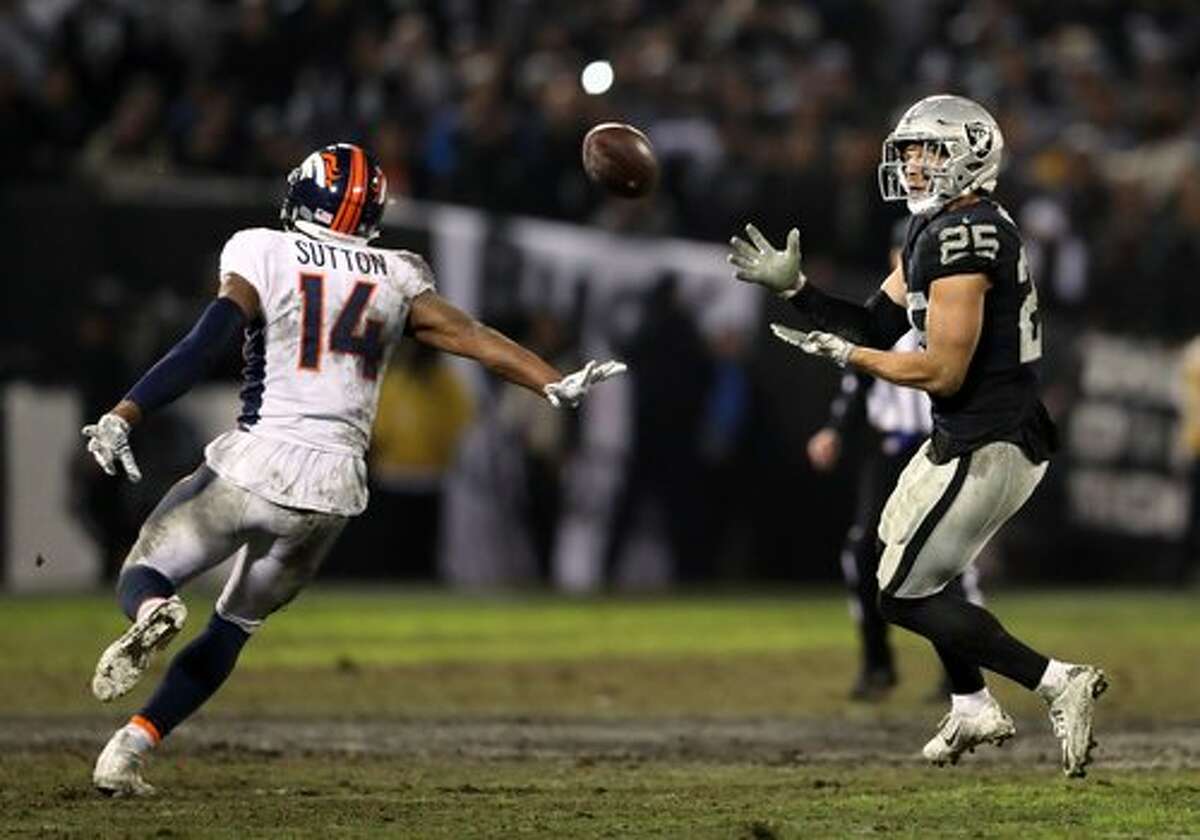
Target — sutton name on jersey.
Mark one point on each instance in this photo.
(340, 258)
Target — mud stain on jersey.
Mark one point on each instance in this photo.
(418, 265)
(287, 326)
(198, 506)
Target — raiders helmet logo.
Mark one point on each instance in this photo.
(979, 137)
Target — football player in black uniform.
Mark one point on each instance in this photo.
(964, 285)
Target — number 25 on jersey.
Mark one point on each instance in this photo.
(979, 240)
(1029, 321)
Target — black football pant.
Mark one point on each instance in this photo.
(967, 638)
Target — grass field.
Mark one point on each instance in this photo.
(419, 714)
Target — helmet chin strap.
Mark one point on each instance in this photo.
(932, 199)
(927, 200)
(925, 204)
(317, 231)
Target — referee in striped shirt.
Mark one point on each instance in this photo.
(888, 422)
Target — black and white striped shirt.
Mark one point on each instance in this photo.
(901, 415)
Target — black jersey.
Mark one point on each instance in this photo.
(998, 399)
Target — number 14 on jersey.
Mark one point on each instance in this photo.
(351, 333)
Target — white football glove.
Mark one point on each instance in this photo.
(760, 263)
(573, 387)
(108, 441)
(816, 343)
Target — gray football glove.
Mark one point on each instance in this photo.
(572, 388)
(760, 263)
(108, 441)
(816, 343)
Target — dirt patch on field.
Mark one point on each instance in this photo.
(771, 741)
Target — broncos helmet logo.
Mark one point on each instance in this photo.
(331, 167)
(322, 167)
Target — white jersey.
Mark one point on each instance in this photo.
(331, 313)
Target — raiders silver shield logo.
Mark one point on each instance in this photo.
(979, 137)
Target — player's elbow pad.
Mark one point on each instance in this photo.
(879, 323)
(191, 358)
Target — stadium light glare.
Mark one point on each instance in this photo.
(597, 77)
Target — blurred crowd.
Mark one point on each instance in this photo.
(759, 109)
(770, 111)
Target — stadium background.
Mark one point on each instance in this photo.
(707, 696)
(139, 135)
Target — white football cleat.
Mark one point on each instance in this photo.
(119, 768)
(959, 733)
(125, 660)
(1071, 714)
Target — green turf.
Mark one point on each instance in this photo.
(403, 654)
(238, 796)
(345, 652)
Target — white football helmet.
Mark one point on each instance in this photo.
(962, 150)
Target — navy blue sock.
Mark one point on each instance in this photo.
(139, 582)
(195, 674)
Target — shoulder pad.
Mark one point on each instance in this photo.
(418, 265)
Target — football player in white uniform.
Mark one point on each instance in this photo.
(320, 310)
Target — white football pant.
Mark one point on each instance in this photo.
(204, 519)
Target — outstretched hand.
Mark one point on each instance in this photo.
(816, 343)
(760, 263)
(573, 387)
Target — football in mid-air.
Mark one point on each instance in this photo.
(620, 158)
